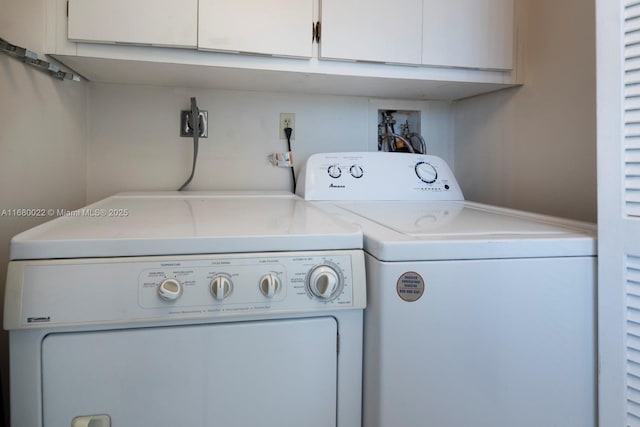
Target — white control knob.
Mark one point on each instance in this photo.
(221, 287)
(269, 285)
(170, 289)
(334, 171)
(356, 171)
(324, 282)
(426, 172)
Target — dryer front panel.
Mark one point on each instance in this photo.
(262, 373)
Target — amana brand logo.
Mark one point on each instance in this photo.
(336, 186)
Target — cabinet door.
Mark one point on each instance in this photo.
(276, 27)
(372, 30)
(468, 33)
(169, 23)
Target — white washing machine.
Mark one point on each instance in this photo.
(187, 309)
(476, 315)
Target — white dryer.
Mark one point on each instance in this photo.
(476, 315)
(187, 309)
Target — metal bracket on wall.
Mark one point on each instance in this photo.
(31, 58)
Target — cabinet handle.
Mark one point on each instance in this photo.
(315, 32)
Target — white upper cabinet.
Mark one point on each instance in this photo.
(146, 22)
(372, 30)
(468, 33)
(436, 49)
(275, 27)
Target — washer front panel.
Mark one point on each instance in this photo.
(104, 291)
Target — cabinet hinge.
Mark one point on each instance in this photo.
(315, 29)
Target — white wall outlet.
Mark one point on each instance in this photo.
(287, 120)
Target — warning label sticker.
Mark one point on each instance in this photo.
(410, 286)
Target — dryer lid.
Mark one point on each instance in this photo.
(176, 223)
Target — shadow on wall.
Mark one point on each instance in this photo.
(521, 149)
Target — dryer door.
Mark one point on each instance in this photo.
(262, 373)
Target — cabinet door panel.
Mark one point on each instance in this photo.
(373, 30)
(468, 33)
(276, 27)
(174, 23)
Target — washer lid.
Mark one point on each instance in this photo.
(186, 223)
(410, 230)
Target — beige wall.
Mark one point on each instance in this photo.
(42, 138)
(134, 141)
(534, 147)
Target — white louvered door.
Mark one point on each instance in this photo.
(632, 107)
(618, 71)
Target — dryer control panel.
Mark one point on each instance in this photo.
(377, 176)
(103, 291)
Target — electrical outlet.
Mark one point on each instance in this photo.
(287, 120)
(185, 124)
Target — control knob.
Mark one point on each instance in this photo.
(221, 287)
(324, 282)
(170, 289)
(356, 171)
(334, 171)
(269, 285)
(426, 172)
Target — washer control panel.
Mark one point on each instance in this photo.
(377, 176)
(117, 290)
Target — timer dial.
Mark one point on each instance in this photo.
(324, 282)
(426, 172)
